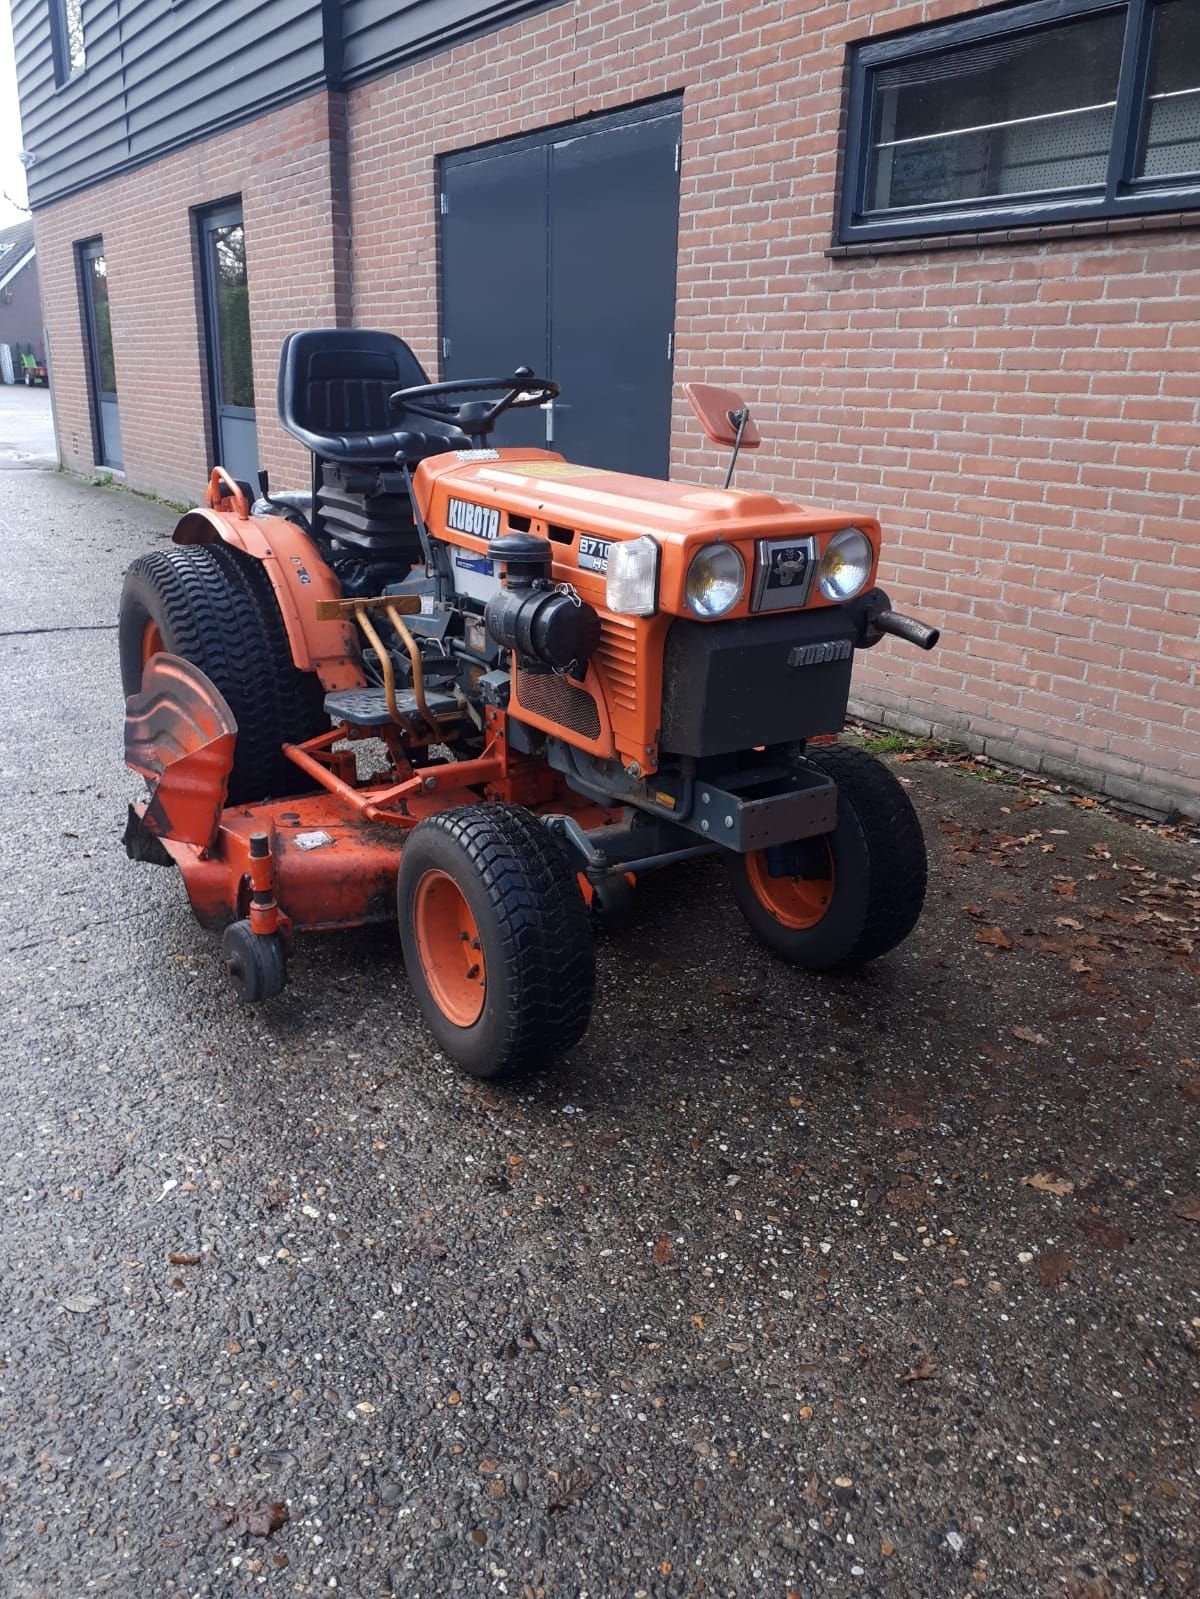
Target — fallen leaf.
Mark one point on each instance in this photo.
(1191, 1090)
(569, 1488)
(1054, 1267)
(921, 1369)
(78, 1304)
(254, 1520)
(905, 1121)
(1028, 1035)
(995, 936)
(1188, 1208)
(1065, 886)
(178, 1259)
(887, 1547)
(1103, 1233)
(974, 910)
(1047, 1183)
(663, 1252)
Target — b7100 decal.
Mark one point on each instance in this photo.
(593, 553)
(481, 521)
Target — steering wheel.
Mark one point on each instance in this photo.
(522, 390)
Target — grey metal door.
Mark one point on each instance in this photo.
(559, 251)
(227, 339)
(102, 369)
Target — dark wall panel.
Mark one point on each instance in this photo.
(159, 74)
(156, 76)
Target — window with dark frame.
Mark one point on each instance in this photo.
(66, 36)
(1054, 111)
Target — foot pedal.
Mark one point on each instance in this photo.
(367, 707)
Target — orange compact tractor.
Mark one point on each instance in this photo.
(481, 689)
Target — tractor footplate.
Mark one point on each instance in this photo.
(368, 707)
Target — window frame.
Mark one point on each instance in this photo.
(60, 44)
(1125, 194)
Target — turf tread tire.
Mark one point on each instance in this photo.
(879, 890)
(538, 946)
(216, 608)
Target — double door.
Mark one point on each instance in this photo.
(558, 252)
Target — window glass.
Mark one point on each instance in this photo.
(70, 56)
(1172, 123)
(97, 275)
(232, 305)
(1016, 115)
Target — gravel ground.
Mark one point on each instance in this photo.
(778, 1286)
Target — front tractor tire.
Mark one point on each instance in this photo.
(495, 937)
(216, 608)
(849, 896)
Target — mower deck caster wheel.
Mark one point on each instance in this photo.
(256, 962)
(613, 902)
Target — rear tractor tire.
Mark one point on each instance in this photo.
(846, 897)
(495, 937)
(216, 608)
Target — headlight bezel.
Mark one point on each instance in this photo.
(826, 585)
(718, 549)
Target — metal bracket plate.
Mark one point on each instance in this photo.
(779, 811)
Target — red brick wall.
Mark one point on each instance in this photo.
(297, 275)
(1023, 418)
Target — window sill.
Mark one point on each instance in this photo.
(1154, 222)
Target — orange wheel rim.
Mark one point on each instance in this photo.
(797, 902)
(152, 641)
(450, 949)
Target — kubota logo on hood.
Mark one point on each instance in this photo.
(481, 521)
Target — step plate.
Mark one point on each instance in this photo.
(367, 707)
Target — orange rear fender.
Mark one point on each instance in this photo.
(179, 735)
(299, 577)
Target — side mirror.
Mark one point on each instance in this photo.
(719, 412)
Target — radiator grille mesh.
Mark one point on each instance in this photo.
(559, 700)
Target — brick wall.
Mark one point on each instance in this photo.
(297, 271)
(1022, 417)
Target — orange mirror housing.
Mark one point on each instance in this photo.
(716, 408)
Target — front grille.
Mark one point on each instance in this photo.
(616, 661)
(559, 700)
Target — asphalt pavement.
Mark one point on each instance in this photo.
(778, 1286)
(26, 427)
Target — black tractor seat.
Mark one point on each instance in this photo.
(334, 389)
(334, 385)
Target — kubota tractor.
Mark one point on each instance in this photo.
(483, 689)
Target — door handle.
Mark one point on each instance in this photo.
(551, 408)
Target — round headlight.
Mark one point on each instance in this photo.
(845, 565)
(715, 580)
